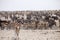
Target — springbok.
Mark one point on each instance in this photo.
(42, 24)
(16, 25)
(4, 24)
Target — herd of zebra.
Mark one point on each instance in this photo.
(32, 21)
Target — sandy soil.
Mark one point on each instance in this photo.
(30, 35)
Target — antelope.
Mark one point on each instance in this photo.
(42, 24)
(16, 25)
(4, 24)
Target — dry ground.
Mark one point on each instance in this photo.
(30, 35)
